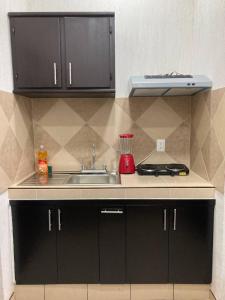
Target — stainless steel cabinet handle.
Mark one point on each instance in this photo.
(49, 220)
(115, 212)
(55, 73)
(59, 220)
(174, 219)
(165, 220)
(70, 73)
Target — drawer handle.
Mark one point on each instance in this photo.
(59, 220)
(70, 73)
(174, 219)
(165, 220)
(55, 73)
(115, 212)
(49, 220)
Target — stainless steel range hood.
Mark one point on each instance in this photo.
(168, 85)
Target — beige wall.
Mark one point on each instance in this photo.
(69, 127)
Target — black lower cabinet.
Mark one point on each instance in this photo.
(191, 240)
(77, 244)
(136, 241)
(34, 244)
(147, 244)
(112, 245)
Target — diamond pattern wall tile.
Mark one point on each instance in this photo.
(21, 122)
(7, 102)
(64, 161)
(86, 108)
(181, 105)
(201, 121)
(218, 178)
(159, 121)
(101, 121)
(208, 136)
(43, 138)
(5, 182)
(110, 121)
(212, 153)
(214, 99)
(11, 153)
(80, 145)
(143, 144)
(218, 123)
(27, 164)
(178, 143)
(40, 107)
(4, 126)
(135, 107)
(199, 167)
(61, 122)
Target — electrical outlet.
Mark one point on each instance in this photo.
(160, 145)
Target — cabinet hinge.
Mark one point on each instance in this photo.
(110, 29)
(16, 76)
(13, 30)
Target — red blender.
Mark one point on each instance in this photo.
(126, 165)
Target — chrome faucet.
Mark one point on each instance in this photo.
(93, 151)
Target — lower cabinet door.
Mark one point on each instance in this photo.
(77, 239)
(147, 244)
(34, 244)
(191, 240)
(112, 245)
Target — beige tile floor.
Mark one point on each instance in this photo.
(113, 292)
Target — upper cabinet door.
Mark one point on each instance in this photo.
(36, 52)
(88, 52)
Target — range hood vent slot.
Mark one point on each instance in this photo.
(168, 85)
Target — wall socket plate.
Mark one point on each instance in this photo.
(160, 145)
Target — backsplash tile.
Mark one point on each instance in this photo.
(69, 127)
(208, 136)
(16, 139)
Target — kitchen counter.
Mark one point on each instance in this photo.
(131, 187)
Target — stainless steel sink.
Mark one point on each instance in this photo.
(108, 178)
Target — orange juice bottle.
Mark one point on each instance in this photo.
(42, 161)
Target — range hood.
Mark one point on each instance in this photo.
(168, 85)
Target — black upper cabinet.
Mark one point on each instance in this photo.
(67, 55)
(87, 52)
(191, 240)
(77, 244)
(147, 244)
(36, 49)
(34, 234)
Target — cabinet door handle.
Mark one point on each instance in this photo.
(55, 73)
(70, 73)
(165, 220)
(174, 219)
(59, 220)
(115, 212)
(49, 220)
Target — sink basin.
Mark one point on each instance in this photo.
(108, 178)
